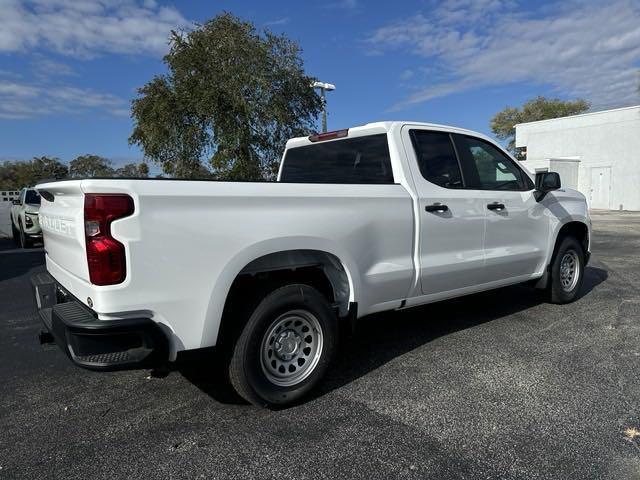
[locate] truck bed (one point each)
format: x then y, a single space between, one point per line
187 241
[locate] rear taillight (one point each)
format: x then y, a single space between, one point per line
105 255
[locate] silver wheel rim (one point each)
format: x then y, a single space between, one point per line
291 348
569 270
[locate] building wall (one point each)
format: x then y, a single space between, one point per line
600 139
9 195
6 197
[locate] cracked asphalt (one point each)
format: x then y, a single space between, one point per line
496 385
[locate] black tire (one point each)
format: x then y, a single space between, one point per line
25 242
566 292
249 373
15 234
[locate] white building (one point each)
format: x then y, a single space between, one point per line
596 153
9 195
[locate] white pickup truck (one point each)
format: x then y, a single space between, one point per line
384 216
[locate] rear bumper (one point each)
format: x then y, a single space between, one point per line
92 343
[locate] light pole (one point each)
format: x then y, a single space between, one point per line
324 87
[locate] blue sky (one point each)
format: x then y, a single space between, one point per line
69 68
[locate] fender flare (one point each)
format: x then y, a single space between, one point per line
543 281
222 284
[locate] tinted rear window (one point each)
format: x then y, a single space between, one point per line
353 160
437 158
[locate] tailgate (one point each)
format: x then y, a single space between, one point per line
62 222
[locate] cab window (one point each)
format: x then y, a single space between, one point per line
358 160
437 158
487 168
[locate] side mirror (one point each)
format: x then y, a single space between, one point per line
547 181
16 202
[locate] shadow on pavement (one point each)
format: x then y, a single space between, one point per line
7 243
382 337
15 262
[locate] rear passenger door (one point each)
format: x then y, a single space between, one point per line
516 231
451 221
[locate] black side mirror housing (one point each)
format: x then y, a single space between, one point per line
545 183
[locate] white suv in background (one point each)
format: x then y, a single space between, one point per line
24 218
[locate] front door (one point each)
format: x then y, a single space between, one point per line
450 220
600 187
517 229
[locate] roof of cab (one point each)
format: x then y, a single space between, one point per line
384 127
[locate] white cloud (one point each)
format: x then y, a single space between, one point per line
278 21
44 68
349 4
580 48
407 74
20 101
344 4
16 90
84 28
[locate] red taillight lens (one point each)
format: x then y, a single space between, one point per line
105 255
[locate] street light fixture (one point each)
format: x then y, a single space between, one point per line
324 87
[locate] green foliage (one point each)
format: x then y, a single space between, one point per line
91 166
18 174
88 166
540 108
133 170
15 175
231 99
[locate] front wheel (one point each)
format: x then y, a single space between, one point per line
25 241
15 233
285 348
567 271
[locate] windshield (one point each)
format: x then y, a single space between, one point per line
32 197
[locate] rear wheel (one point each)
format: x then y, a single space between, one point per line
285 347
567 271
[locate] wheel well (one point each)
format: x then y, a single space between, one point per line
578 230
321 270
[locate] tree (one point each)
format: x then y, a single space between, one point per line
12 176
540 108
229 102
133 170
18 174
91 166
44 168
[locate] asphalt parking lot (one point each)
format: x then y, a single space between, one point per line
497 385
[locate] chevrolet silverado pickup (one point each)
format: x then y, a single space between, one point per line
24 218
384 216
